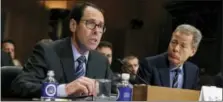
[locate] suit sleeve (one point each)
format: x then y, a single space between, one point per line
28 82
144 73
196 84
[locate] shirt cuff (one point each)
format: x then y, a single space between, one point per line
61 90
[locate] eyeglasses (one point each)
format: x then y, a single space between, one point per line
90 24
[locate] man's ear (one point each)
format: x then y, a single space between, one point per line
73 25
194 50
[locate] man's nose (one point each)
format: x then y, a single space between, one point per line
133 67
96 31
176 48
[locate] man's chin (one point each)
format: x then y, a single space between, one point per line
91 47
174 62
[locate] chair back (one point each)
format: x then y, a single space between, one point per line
8 74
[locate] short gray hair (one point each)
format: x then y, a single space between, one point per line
189 29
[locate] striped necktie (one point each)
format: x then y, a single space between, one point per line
80 71
175 78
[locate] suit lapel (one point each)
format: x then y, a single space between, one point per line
164 71
67 60
186 76
165 76
90 66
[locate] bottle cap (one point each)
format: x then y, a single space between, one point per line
50 73
125 76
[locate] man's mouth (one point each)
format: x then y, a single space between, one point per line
173 56
93 40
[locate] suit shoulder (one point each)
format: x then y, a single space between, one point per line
53 44
192 65
156 58
98 55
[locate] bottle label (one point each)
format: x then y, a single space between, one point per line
49 89
124 94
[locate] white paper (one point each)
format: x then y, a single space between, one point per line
210 93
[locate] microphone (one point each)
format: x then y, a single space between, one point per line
132 72
120 61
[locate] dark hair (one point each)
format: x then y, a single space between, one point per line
77 12
8 41
105 44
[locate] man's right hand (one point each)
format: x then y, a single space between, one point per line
81 86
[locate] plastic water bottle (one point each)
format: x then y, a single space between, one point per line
49 87
124 88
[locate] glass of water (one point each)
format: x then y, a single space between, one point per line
103 88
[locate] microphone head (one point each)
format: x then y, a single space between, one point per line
116 77
125 76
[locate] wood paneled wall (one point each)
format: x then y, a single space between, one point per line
26 23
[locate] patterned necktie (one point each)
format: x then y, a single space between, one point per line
175 79
80 68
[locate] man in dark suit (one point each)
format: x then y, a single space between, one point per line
105 48
172 69
72 59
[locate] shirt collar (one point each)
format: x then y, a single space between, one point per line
172 68
76 54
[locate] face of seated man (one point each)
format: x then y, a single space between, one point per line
107 52
9 48
133 65
181 47
88 31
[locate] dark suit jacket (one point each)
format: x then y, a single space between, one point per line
56 56
6 59
155 71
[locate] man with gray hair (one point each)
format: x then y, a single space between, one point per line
171 69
